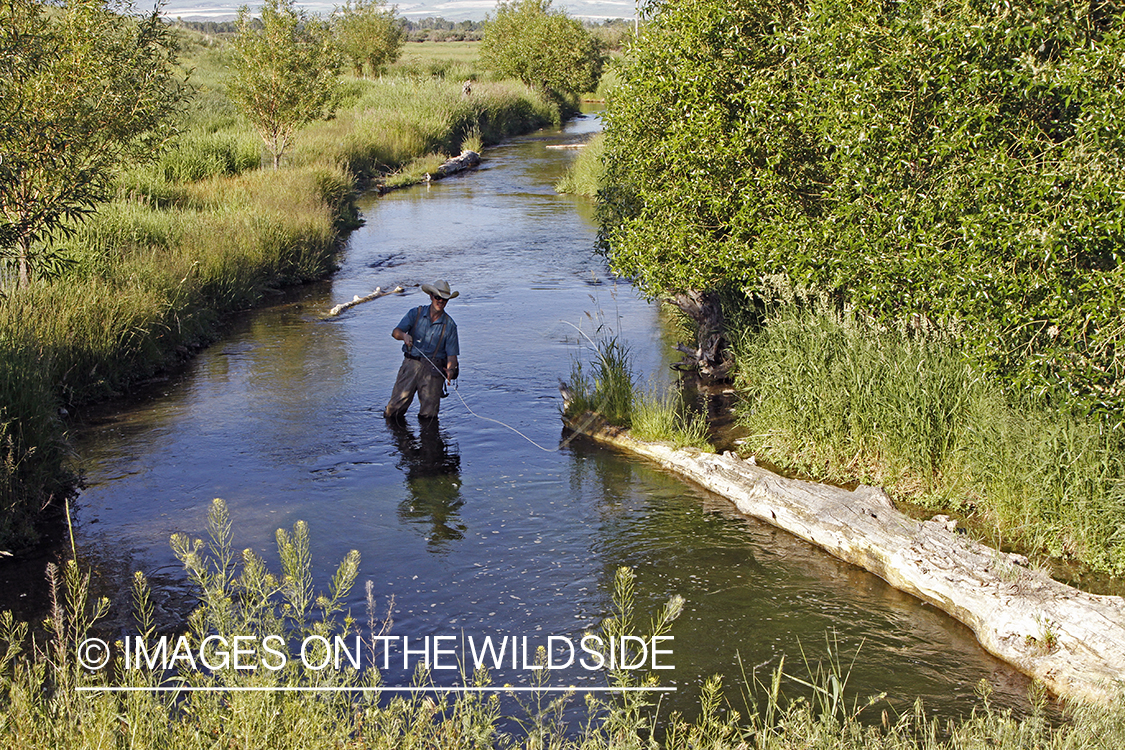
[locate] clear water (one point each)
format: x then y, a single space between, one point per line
474 530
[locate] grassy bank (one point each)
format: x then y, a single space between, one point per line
583 175
831 396
45 698
202 231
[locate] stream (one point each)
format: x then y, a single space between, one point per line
472 528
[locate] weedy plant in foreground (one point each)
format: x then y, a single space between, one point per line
48 700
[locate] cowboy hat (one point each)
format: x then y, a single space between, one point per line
439 288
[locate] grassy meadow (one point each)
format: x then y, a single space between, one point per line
205 229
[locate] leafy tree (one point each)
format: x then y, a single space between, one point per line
84 87
284 72
368 34
543 48
957 162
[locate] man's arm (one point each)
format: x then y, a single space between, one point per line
403 336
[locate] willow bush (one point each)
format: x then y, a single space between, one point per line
955 161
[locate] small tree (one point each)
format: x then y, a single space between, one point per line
284 74
541 47
368 34
83 88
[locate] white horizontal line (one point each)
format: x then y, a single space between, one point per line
337 689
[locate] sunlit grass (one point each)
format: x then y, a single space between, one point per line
605 384
583 176
838 398
660 415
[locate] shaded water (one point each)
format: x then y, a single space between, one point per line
472 529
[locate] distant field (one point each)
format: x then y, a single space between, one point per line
456 61
452 52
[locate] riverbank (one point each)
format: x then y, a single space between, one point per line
204 231
832 396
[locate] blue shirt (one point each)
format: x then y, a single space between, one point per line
427 334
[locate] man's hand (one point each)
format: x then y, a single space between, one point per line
403 336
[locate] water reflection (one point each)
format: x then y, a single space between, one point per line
433 480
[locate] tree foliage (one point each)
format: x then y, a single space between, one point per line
368 34
83 87
541 47
284 72
957 161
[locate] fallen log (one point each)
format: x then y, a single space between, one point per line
357 300
1071 641
466 160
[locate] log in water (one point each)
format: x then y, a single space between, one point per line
1072 641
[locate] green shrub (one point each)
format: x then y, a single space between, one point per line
958 162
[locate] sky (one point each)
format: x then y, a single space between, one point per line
454 10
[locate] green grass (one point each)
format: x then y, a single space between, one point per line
605 384
451 61
660 415
584 175
237 593
837 398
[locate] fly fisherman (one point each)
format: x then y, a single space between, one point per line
429 342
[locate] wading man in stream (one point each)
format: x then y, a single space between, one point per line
429 344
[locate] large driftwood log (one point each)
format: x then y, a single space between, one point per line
357 300
1073 642
466 160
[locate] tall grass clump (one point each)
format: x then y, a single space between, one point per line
199 155
584 175
660 415
836 397
605 384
